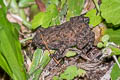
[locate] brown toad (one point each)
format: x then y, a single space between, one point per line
75 32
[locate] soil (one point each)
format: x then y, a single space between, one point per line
94 67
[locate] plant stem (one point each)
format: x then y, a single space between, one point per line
22 41
97 6
116 60
23 16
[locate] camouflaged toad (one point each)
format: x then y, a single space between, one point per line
75 32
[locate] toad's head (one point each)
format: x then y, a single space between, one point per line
37 39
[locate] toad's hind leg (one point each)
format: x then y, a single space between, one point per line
59 53
86 46
90 42
85 40
82 38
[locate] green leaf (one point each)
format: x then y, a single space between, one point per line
34 10
110 11
10 49
95 18
53 10
46 19
63 2
115 51
55 78
100 45
69 15
51 51
105 43
70 53
56 2
17 26
13 7
40 60
69 73
25 3
105 38
115 71
54 13
5 65
39 19
81 72
35 61
63 9
74 8
114 35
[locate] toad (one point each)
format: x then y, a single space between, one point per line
75 32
